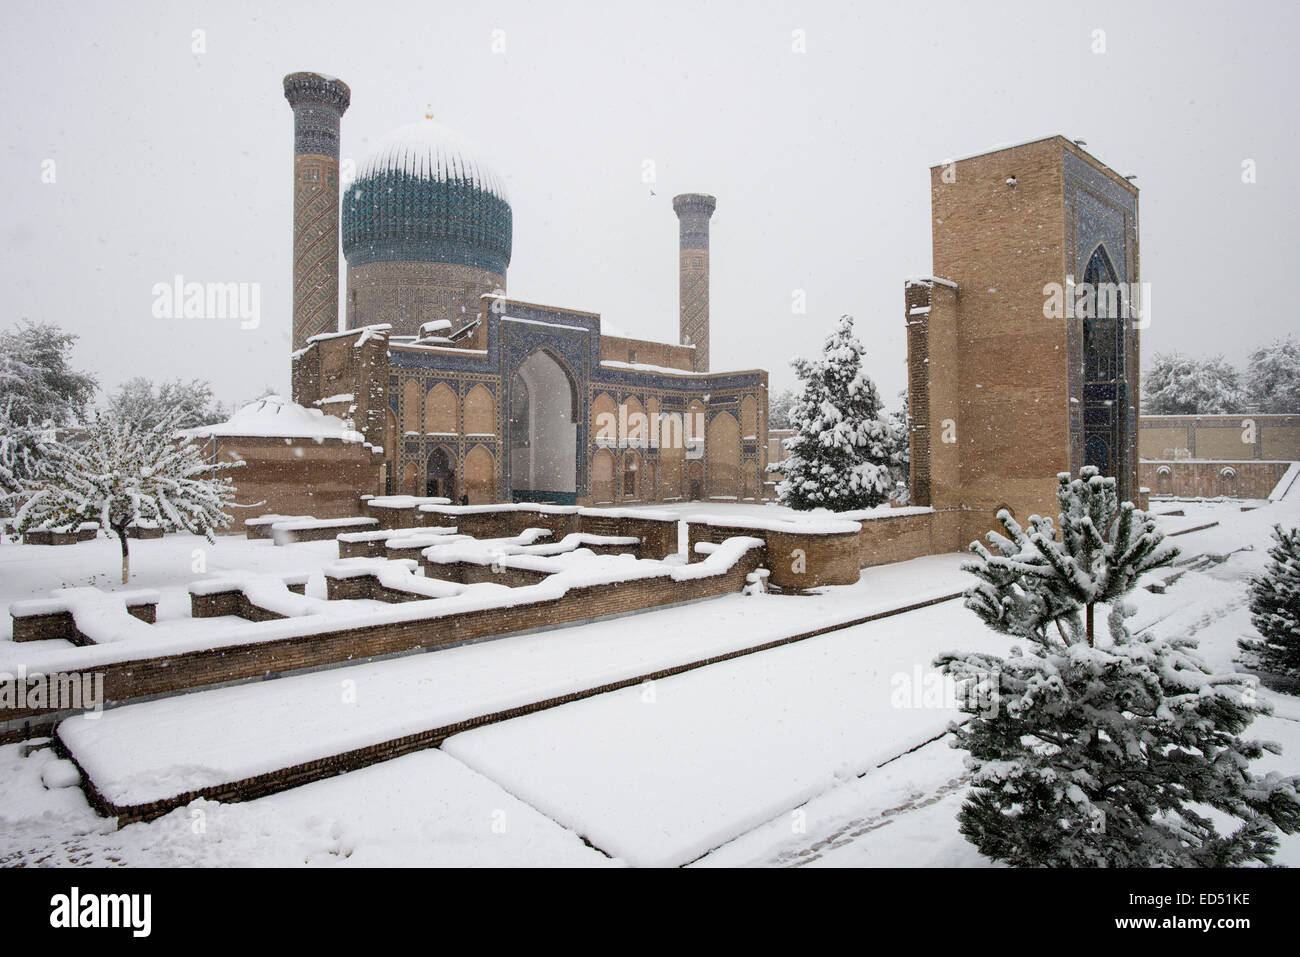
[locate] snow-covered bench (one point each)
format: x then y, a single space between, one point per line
84 616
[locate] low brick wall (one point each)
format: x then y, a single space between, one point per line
62 624
146 676
800 559
233 602
495 523
898 539
355 587
248 789
558 524
390 517
1203 479
43 536
319 533
369 548
473 573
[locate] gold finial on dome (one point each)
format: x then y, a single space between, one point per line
428 111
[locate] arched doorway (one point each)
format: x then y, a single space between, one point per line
479 476
1105 396
602 477
631 476
440 475
723 456
695 481
543 432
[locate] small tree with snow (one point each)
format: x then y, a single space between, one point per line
842 453
1275 608
1103 752
119 473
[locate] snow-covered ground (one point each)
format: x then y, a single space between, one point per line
793 756
153 750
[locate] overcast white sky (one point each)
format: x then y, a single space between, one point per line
173 162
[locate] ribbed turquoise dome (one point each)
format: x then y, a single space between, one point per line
426 195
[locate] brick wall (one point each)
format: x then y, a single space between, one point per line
1229 438
132 679
1207 479
666 355
297 476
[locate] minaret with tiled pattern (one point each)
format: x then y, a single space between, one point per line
693 213
318 105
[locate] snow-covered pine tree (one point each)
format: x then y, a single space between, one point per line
118 474
840 457
1090 752
1275 608
900 451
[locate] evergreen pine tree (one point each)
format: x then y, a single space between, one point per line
119 473
1092 752
840 457
1275 608
900 453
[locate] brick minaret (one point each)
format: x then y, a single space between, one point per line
318 105
693 212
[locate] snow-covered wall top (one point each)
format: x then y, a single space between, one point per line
276 417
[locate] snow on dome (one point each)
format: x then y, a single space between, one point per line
429 150
276 417
425 194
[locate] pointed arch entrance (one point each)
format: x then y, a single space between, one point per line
1105 392
543 431
440 475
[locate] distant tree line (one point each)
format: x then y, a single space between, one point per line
1177 384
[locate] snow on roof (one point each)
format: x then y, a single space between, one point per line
364 330
276 417
430 150
998 148
645 367
538 322
928 281
828 523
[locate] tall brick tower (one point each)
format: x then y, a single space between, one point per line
1007 391
693 213
318 105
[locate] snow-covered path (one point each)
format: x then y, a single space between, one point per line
661 779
